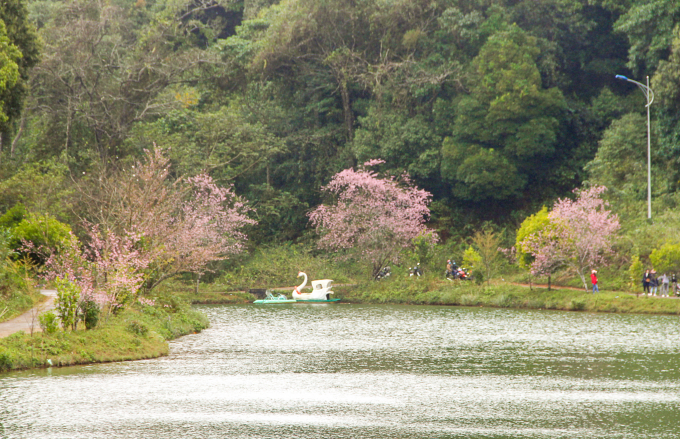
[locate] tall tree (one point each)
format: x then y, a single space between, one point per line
506 129
648 25
102 71
22 36
182 224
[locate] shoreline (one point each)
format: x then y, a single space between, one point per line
499 295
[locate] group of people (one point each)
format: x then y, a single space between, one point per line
453 271
653 285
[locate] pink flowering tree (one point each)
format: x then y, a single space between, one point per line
107 270
204 227
547 253
579 235
175 225
373 218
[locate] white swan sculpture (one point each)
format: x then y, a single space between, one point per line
321 290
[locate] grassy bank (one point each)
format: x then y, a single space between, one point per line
131 335
278 266
432 291
15 302
504 295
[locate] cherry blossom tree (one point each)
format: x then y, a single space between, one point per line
177 225
547 253
108 269
374 217
579 235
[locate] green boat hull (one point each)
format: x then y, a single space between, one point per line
317 301
273 302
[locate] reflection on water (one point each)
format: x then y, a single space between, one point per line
351 371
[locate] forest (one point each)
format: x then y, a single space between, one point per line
496 108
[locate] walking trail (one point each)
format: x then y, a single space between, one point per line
29 319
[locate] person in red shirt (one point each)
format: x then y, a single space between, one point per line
593 280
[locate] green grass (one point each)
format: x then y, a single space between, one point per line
429 291
176 291
17 301
278 266
131 335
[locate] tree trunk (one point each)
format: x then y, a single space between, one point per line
548 282
18 136
346 106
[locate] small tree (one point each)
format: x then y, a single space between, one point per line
579 235
532 225
374 217
108 270
585 230
473 261
635 274
488 243
68 295
423 247
546 253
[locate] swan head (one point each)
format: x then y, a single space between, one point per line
300 274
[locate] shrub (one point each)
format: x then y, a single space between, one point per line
68 295
578 304
635 274
13 216
666 259
45 234
137 327
48 322
90 312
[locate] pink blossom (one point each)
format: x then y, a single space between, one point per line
580 235
145 301
373 217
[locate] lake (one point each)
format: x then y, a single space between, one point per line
369 371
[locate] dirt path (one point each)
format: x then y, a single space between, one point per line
30 318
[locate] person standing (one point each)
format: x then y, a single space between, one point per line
654 283
593 280
646 282
664 285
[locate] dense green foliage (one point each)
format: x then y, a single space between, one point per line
495 107
17 284
485 104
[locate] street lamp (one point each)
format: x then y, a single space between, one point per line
649 94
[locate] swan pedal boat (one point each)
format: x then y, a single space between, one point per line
271 299
321 291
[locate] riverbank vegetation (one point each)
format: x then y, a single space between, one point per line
17 282
505 295
131 334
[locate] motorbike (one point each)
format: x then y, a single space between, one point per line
383 273
458 273
415 270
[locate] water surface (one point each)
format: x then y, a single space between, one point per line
354 371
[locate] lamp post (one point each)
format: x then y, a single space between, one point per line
649 94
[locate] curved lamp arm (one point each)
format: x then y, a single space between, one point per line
649 94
